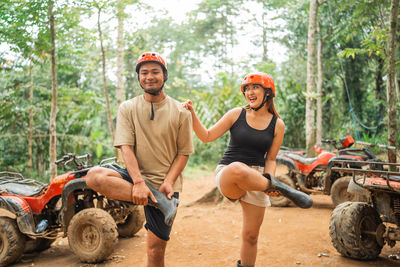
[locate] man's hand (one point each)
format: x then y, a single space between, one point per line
166 189
141 193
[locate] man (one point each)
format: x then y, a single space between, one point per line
154 133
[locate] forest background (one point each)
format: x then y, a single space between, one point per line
66 65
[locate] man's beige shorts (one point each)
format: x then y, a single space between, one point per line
256 198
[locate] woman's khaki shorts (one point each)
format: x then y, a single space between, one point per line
256 198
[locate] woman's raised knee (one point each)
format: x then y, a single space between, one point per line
237 170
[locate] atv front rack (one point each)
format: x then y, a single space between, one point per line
384 179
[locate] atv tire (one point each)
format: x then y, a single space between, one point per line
133 223
92 235
348 225
37 245
282 201
12 241
339 192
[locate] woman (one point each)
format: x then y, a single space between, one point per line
244 173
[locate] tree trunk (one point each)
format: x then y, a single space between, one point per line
30 118
379 86
120 49
103 61
53 113
319 89
311 62
213 196
390 84
264 36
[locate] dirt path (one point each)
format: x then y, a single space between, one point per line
209 235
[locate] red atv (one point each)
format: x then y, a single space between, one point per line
359 230
314 175
65 207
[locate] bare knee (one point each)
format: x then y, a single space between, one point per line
156 251
95 177
250 237
237 170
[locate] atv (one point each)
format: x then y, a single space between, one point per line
66 207
315 175
359 230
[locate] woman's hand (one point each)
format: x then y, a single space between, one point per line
188 104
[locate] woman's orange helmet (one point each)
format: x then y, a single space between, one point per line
260 78
152 57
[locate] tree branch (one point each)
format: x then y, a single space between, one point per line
322 2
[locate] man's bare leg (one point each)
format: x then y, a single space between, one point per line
155 250
109 183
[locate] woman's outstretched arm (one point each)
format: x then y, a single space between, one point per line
216 131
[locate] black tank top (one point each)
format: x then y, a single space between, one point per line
248 145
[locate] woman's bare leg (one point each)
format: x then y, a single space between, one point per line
237 177
252 219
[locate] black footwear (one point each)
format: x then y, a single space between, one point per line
239 264
167 206
299 198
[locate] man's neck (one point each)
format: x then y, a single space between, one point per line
154 98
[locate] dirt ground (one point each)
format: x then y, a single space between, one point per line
209 235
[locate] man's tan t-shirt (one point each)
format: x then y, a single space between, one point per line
156 142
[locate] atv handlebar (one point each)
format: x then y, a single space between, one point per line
79 161
329 141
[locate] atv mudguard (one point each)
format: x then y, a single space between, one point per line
329 179
287 162
68 206
22 211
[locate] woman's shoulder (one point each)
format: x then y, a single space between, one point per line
280 125
229 119
234 111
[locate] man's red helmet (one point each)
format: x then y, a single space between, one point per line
260 78
152 57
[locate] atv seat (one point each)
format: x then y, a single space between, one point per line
301 159
16 184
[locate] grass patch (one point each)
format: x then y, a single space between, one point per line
198 171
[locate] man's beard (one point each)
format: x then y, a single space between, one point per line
153 91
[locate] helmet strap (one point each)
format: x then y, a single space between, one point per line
153 93
265 100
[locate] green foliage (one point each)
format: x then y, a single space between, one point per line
201 67
210 106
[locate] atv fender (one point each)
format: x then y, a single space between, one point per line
287 162
329 178
68 201
22 211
